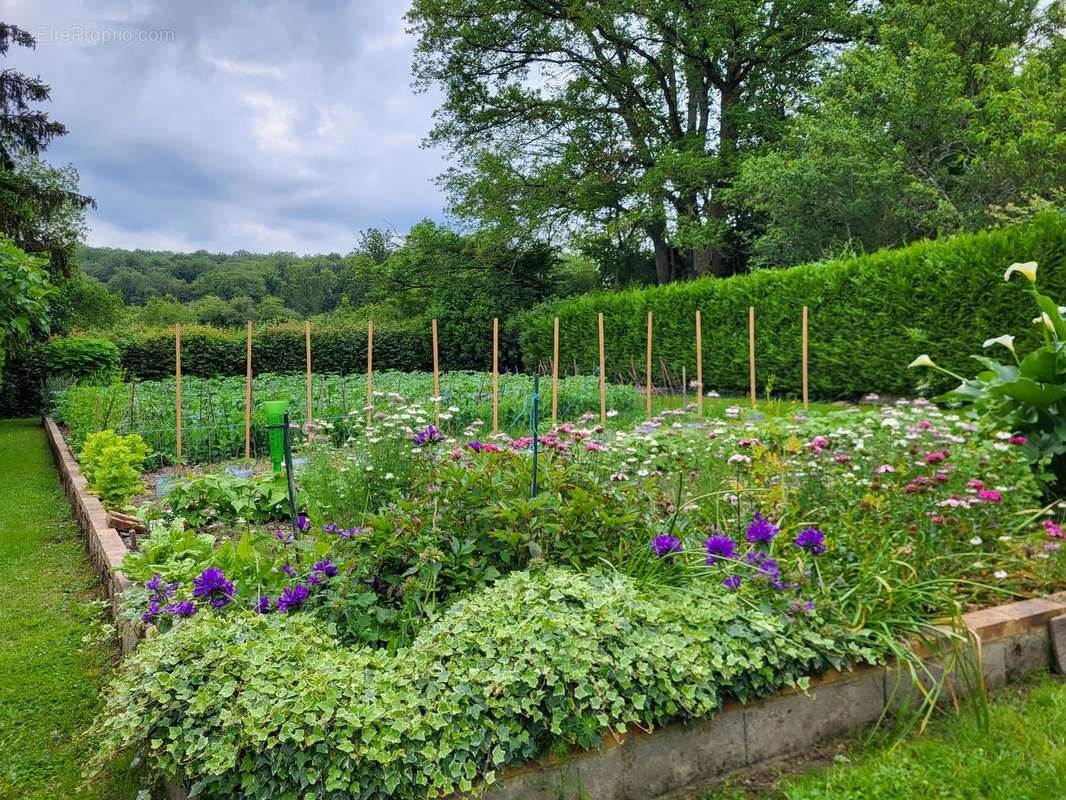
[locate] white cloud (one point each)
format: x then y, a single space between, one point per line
244 130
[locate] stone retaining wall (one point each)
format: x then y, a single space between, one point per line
1013 640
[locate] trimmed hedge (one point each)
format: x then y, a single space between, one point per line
869 316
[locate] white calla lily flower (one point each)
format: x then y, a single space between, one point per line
1006 340
921 361
1028 269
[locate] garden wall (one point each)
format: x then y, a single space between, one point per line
869 316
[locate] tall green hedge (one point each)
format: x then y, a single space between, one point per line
869 316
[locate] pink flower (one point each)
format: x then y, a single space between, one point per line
990 496
818 442
1054 529
942 477
593 447
924 424
976 483
1017 440
881 470
842 458
937 457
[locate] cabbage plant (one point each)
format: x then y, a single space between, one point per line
1025 396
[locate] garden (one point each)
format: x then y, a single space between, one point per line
436 603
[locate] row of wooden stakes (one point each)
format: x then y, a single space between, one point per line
648 383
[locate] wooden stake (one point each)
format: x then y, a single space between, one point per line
751 350
699 364
603 375
177 392
495 375
684 387
436 377
805 398
555 374
647 372
307 349
248 396
369 371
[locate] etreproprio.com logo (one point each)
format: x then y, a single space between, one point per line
82 34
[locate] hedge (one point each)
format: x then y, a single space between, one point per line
869 316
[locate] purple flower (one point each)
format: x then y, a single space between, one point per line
761 530
263 604
812 540
303 522
768 568
159 590
326 568
153 611
732 582
428 436
186 608
665 544
283 536
475 446
293 598
289 570
719 547
213 586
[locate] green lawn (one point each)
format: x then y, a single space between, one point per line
50 682
1020 756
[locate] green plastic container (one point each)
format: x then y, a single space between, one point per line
275 417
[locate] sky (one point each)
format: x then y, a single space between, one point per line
230 124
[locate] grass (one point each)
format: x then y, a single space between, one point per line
1021 755
50 682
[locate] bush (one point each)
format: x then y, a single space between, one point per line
868 315
112 465
270 706
77 357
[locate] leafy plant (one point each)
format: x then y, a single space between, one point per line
1026 398
112 465
80 357
537 662
216 496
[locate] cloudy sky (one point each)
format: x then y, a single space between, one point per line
235 125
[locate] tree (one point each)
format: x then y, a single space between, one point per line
24 295
40 207
625 115
948 112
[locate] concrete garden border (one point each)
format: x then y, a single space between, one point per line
1013 640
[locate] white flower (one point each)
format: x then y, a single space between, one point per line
1027 268
921 361
612 413
999 574
976 541
1006 340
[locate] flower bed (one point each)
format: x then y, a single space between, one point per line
432 622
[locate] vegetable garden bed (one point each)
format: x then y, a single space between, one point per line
432 625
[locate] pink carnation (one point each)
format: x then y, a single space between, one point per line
1017 440
936 458
990 496
1054 529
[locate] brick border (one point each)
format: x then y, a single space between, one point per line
1013 640
105 545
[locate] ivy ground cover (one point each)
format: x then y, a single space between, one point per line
433 620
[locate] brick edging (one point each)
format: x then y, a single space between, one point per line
106 547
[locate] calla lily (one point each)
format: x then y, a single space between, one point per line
921 361
1028 269
1047 322
1006 340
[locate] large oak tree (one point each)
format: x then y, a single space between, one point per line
627 117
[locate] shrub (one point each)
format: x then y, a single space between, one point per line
112 465
867 315
79 357
270 706
213 497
